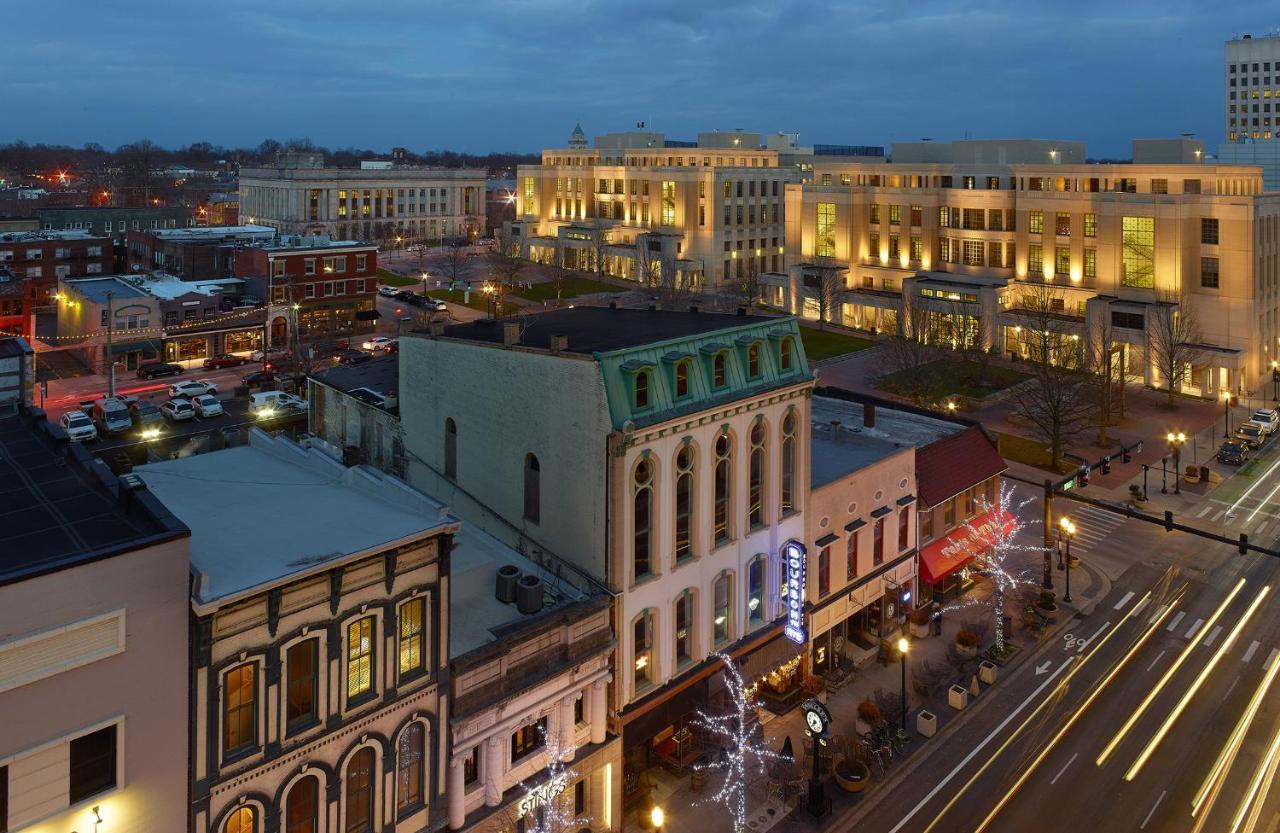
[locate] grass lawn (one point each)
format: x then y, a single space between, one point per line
479 301
947 377
1029 452
390 278
571 287
825 344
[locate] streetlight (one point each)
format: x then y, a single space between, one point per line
1068 531
656 818
903 645
951 407
1226 414
1275 380
1175 442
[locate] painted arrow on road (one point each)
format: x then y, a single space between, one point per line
1043 668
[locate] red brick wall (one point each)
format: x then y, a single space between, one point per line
15 256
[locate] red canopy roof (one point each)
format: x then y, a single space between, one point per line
947 467
960 545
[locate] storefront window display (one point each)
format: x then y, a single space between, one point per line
243 341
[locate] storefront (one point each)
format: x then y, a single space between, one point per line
135 353
191 347
852 629
946 565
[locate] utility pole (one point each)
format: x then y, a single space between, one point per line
111 359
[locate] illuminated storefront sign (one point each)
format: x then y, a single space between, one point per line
541 796
793 555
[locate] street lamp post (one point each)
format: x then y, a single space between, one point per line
1144 481
1069 531
1164 477
1226 414
1175 442
1275 380
903 645
656 818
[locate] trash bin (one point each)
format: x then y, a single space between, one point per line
231 436
1204 474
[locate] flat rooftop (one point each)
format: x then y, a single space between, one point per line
381 375
60 508
96 289
603 329
855 445
49 235
211 232
238 503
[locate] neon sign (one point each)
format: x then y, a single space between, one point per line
793 556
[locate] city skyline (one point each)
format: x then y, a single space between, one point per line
1038 74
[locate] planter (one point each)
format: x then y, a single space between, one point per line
967 650
987 672
958 697
920 631
852 776
1050 612
861 726
926 723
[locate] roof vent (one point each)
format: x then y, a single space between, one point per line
505 587
529 594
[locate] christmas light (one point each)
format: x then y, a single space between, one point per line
549 806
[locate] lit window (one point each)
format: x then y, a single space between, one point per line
411 636
239 714
360 658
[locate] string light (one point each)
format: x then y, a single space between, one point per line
546 808
186 325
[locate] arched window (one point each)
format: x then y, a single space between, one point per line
240 708
241 820
755 484
642 537
784 354
788 462
359 792
755 591
301 808
532 489
684 620
450 449
722 609
409 768
753 361
642 649
718 377
682 379
723 483
684 503
642 389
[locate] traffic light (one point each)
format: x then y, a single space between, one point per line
1083 478
1106 464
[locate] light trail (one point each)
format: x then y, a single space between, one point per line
1079 712
1255 485
1168 675
1262 503
1195 687
1043 705
1266 767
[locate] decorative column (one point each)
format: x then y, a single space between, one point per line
493 772
457 794
568 729
596 791
599 712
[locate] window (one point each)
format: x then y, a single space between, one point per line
360 658
682 379
724 448
851 557
875 214
1091 263
877 542
1137 258
926 526
824 571
895 215
668 202
239 708
450 449
409 769
1062 224
301 807
1035 259
241 820
755 484
360 262
93 764
755 591
300 684
825 241
722 613
1159 186
359 792
1209 272
1061 260
684 503
642 649
412 643
784 354
471 767
917 213
1209 231
683 632
718 371
309 266
904 528
1128 320
788 462
532 489
1036 225
528 739
642 558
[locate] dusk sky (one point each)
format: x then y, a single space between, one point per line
494 76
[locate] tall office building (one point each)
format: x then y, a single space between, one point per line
1251 79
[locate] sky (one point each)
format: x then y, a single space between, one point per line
482 76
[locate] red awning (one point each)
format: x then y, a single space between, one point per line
951 552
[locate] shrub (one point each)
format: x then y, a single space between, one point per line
814 685
868 712
1193 471
967 639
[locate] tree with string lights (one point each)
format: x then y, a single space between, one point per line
548 806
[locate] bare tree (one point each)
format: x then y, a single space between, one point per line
1108 376
420 250
746 288
659 271
505 264
455 266
968 334
907 351
824 282
1174 334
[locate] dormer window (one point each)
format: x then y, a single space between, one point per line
682 379
753 361
784 354
642 389
718 370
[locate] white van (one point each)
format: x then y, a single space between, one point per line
111 415
269 403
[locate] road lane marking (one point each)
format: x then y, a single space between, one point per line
1231 687
1213 635
1105 625
1192 633
1124 600
1159 612
1248 655
1152 812
1173 623
1064 769
1139 606
1206 510
1157 659
1216 516
1271 657
1262 527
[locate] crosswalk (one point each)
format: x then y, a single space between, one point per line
1093 526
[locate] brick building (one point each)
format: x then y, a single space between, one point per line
39 259
192 253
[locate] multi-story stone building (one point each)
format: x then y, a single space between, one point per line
966 233
663 452
1251 87
376 202
639 205
319 659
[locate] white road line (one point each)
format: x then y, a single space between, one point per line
1262 527
1064 769
1233 685
1163 793
1191 633
1139 606
1213 635
1089 641
1176 619
1124 600
973 752
1206 510
1248 655
1159 612
1271 657
1154 661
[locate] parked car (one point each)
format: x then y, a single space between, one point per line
437 305
225 360
1233 452
111 416
415 300
274 354
79 427
1268 418
1252 434
148 419
378 343
178 410
271 403
258 378
387 291
403 295
351 358
197 387
157 369
207 406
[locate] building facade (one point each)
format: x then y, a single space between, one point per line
963 250
377 205
1251 88
40 259
116 223
193 253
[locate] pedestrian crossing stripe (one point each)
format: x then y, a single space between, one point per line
1208 507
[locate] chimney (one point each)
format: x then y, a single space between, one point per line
559 343
742 311
869 415
510 333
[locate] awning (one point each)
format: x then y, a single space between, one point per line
827 540
948 554
148 346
